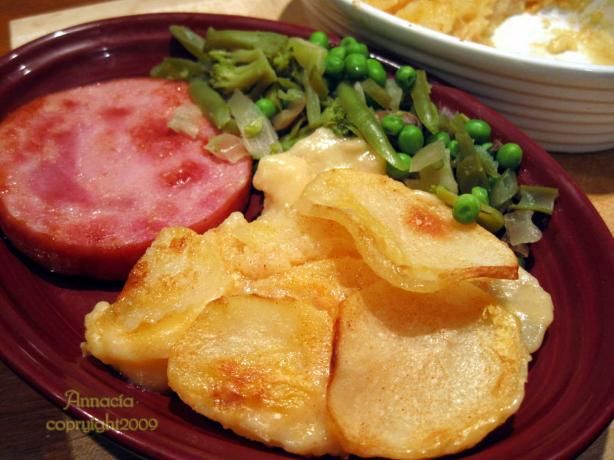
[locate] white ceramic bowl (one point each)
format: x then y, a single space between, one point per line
566 107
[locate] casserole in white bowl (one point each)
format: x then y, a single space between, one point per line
564 106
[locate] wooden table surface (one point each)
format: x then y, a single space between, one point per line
23 411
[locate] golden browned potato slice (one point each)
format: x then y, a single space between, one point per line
528 301
323 283
182 271
260 368
178 275
407 237
283 239
422 375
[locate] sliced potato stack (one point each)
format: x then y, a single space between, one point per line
165 292
183 271
362 276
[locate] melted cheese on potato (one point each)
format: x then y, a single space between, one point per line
528 301
283 177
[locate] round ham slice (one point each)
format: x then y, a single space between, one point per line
89 176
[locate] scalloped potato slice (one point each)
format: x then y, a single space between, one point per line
420 375
322 283
527 301
280 240
407 237
168 287
260 367
183 271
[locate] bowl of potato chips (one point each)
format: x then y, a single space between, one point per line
562 98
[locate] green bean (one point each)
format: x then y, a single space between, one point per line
210 102
177 69
425 108
376 92
190 40
367 125
313 107
312 58
270 43
504 188
488 162
537 198
470 173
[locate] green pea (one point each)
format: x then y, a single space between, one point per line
266 106
509 156
398 173
338 51
453 148
376 72
480 193
405 76
466 208
334 66
347 41
392 124
479 130
357 48
355 66
440 136
410 139
319 38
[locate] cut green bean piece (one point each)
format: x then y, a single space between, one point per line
178 69
190 40
367 125
376 92
425 108
470 173
210 102
270 43
457 124
313 107
488 162
504 188
312 58
537 198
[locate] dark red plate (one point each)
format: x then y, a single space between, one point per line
570 392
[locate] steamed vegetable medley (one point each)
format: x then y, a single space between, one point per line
265 91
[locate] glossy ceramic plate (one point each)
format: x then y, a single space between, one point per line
570 392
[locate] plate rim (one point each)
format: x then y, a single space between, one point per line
28 373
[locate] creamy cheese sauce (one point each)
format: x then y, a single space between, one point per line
531 305
283 177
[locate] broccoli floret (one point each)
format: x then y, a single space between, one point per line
281 60
335 118
240 69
